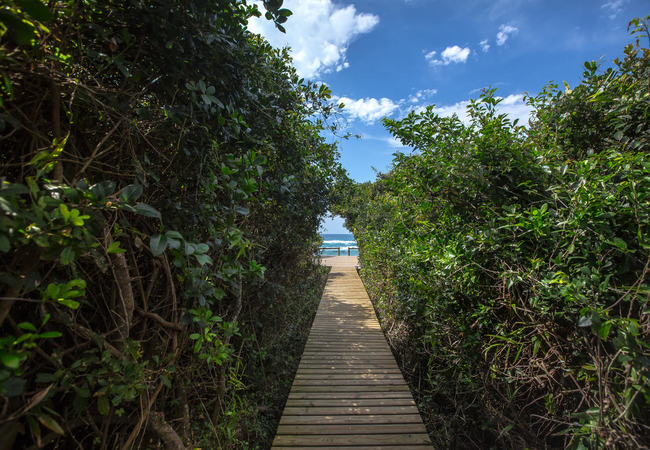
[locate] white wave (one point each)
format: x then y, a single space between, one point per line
341 242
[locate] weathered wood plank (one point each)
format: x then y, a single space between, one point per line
332 388
381 439
395 428
351 402
347 411
363 447
349 369
361 382
351 395
350 376
352 419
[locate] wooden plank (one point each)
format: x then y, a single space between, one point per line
342 364
348 382
353 419
332 388
395 428
349 353
352 369
351 402
352 395
347 411
362 447
350 376
380 439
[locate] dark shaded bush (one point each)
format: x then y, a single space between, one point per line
163 180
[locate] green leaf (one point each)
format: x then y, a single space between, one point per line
115 248
212 99
27 326
5 245
72 304
36 9
50 334
67 256
201 248
13 189
166 381
174 234
604 331
241 210
82 392
103 405
147 210
79 403
260 160
20 31
50 423
11 361
131 193
45 378
76 219
158 244
195 336
203 259
14 386
173 243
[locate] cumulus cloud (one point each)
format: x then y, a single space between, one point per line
369 109
421 95
505 31
484 45
449 55
319 33
614 7
512 105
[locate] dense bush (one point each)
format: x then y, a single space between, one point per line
163 179
509 264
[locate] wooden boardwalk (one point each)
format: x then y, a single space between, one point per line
348 392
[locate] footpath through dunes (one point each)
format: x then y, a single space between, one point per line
348 392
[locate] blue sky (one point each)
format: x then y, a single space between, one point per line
388 57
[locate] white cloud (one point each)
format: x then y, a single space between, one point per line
614 7
505 31
484 45
319 33
422 94
369 109
390 140
449 55
512 105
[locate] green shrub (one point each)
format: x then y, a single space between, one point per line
511 264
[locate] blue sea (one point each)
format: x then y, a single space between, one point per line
339 240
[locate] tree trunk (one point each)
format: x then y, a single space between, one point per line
171 439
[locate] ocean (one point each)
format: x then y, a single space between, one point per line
339 240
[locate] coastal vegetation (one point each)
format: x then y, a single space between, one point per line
163 176
509 263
